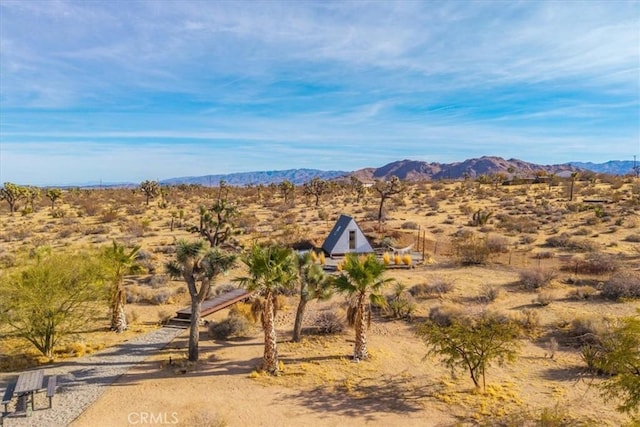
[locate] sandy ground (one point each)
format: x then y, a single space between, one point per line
320 386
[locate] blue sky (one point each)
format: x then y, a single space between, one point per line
133 90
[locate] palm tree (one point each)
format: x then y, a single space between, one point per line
120 262
361 278
272 270
195 265
314 284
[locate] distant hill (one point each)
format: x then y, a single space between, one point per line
612 167
412 170
296 176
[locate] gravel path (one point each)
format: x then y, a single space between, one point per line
83 380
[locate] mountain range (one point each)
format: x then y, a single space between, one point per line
409 170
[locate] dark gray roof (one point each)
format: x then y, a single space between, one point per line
336 232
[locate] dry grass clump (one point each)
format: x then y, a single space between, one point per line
586 330
565 241
593 263
633 238
470 249
233 326
536 278
582 293
622 285
445 314
435 288
329 323
528 320
513 224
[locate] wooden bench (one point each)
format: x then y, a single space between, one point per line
51 389
8 395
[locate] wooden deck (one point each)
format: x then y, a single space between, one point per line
215 304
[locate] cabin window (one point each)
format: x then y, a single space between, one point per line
352 239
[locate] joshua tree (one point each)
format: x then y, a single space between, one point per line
358 187
53 194
387 189
119 263
314 284
288 191
316 188
151 189
272 270
198 268
217 223
361 279
12 193
574 176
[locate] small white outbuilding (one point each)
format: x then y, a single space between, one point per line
346 237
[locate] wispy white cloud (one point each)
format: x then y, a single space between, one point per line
332 83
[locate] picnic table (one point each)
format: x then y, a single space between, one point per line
24 389
28 383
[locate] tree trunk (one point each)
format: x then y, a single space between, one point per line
270 363
360 350
118 315
194 331
380 208
297 326
571 191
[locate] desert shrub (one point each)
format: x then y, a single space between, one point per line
593 263
544 255
471 250
400 304
329 322
232 326
622 285
586 330
528 320
96 229
583 293
164 316
242 309
488 293
515 224
133 316
581 232
565 241
437 287
544 298
497 244
7 260
536 278
633 238
109 214
136 294
444 315
410 225
64 233
527 240
161 297
58 213
222 289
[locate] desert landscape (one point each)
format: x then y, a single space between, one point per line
556 256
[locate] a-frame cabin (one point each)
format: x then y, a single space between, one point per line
346 237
